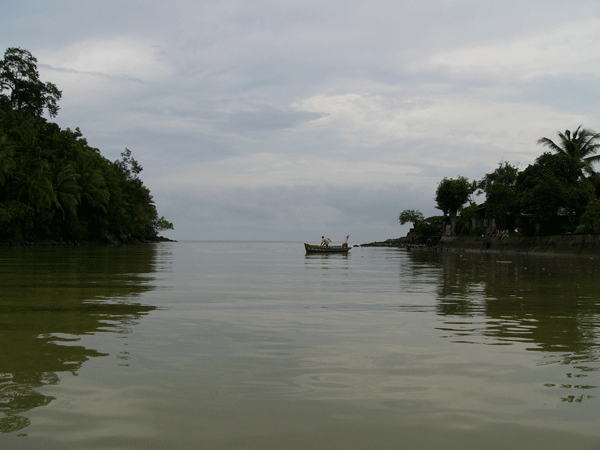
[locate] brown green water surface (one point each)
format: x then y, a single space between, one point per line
213 345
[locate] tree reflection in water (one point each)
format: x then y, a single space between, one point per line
551 303
49 297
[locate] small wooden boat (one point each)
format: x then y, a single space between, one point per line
331 249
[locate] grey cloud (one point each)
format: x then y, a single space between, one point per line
94 74
236 71
265 118
570 93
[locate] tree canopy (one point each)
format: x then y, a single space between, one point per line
53 185
20 78
451 195
410 215
558 193
582 145
499 189
551 191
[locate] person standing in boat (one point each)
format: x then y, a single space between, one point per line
325 241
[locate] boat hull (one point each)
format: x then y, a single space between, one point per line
331 249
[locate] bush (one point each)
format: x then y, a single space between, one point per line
432 226
16 219
590 220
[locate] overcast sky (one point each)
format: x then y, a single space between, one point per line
290 119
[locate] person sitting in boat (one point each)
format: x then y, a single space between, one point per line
325 241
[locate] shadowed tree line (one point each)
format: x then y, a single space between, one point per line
559 193
53 185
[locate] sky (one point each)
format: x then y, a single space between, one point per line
289 120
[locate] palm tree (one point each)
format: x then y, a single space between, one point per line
94 191
582 144
35 186
67 191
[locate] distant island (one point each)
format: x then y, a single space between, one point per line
54 187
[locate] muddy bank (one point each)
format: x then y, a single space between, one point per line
568 244
403 242
123 240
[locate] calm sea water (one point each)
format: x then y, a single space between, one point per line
222 345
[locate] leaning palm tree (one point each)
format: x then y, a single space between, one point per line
582 144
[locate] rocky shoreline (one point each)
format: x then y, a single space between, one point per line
565 244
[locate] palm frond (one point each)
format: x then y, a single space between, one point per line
549 143
580 144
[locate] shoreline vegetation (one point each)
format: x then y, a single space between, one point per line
55 189
552 206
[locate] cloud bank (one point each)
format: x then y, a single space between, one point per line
290 120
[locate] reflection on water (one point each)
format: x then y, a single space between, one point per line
257 346
49 297
552 304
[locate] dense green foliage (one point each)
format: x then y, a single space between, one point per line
581 145
53 185
558 193
429 227
550 193
410 215
590 220
499 188
20 78
451 195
